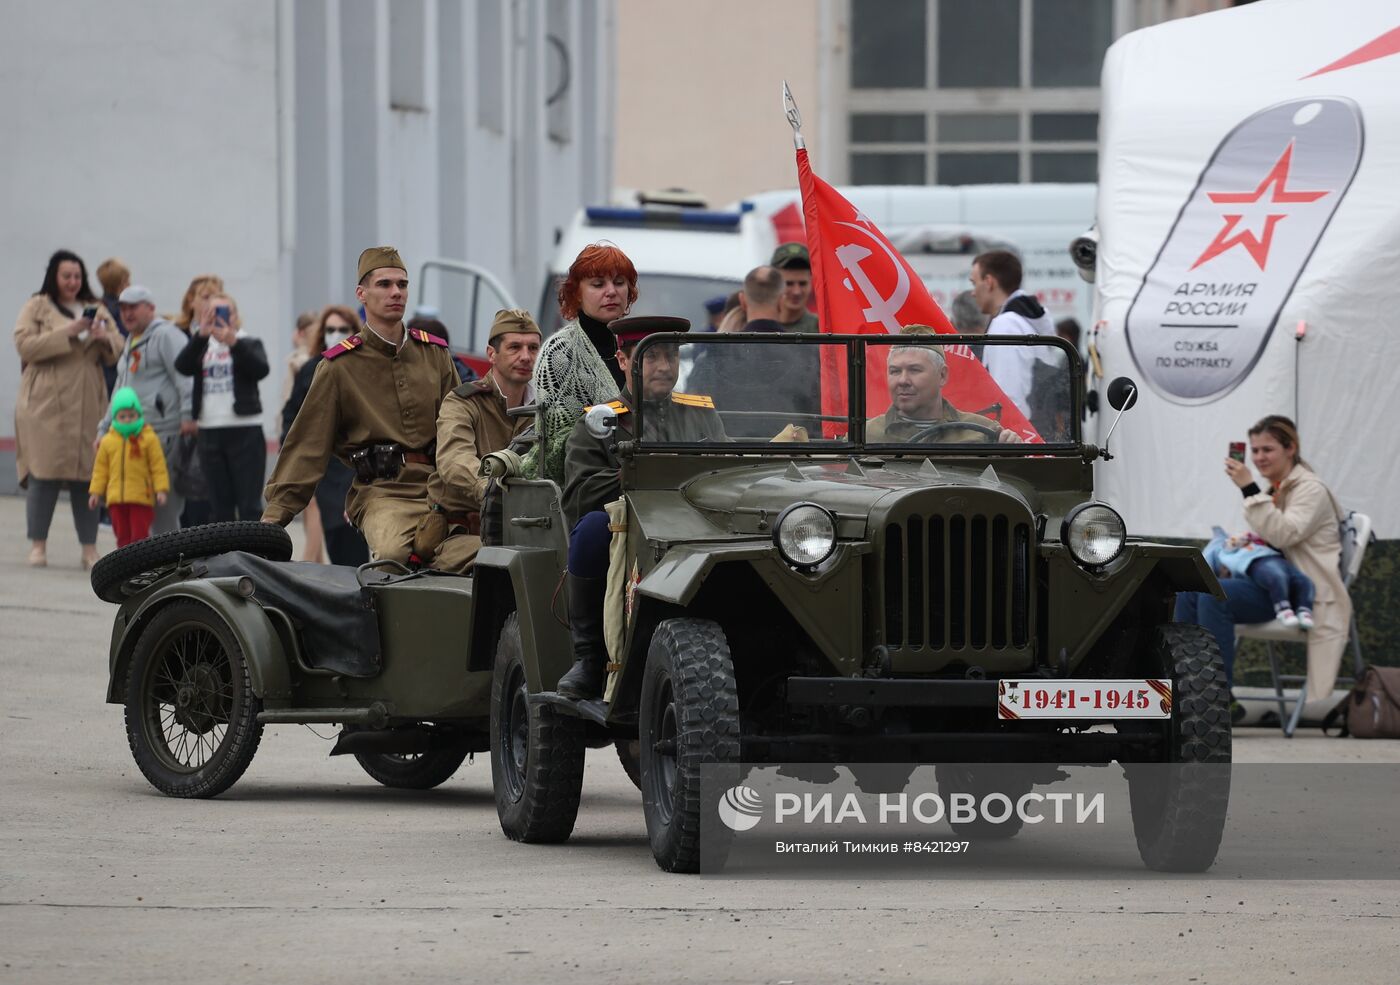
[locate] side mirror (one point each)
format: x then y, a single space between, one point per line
600 420
1122 393
1084 251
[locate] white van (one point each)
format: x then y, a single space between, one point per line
684 255
1037 221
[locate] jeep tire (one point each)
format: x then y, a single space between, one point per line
1179 809
629 754
689 718
957 778
536 752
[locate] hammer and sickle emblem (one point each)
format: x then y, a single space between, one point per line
881 309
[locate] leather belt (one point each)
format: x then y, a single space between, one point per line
418 458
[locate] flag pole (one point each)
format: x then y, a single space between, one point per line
794 117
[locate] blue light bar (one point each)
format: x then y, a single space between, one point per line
610 216
726 220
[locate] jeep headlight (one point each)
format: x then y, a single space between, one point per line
805 535
1094 534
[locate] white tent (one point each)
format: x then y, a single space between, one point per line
1249 188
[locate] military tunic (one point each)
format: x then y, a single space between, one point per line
365 391
472 423
891 427
592 472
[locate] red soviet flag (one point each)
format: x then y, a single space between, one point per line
862 285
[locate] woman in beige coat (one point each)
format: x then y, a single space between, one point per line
64 336
1299 516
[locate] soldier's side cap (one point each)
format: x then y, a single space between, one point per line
792 255
376 257
638 327
512 320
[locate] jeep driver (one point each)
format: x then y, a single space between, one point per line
918 411
591 480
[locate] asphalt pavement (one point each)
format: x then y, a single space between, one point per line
308 871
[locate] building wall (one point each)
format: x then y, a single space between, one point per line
156 146
270 141
698 90
428 127
699 93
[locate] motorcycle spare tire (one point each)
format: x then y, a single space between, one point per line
111 573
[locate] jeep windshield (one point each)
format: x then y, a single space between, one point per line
835 394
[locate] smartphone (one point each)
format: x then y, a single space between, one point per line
1237 450
221 313
90 312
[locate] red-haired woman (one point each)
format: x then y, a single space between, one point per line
576 367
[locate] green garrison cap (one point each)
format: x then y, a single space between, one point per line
512 320
376 257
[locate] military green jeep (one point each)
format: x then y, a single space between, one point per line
919 577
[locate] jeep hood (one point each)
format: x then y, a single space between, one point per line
851 489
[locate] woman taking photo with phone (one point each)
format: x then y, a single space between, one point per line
1298 515
226 365
65 338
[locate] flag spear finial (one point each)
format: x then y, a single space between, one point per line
794 117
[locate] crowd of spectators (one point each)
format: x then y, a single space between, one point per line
92 366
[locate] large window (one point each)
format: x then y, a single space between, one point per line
975 91
887 44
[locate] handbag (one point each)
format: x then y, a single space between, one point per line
1372 709
186 474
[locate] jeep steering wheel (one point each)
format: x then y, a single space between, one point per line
927 434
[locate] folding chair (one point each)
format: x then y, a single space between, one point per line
1356 534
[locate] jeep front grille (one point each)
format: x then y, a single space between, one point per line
956 582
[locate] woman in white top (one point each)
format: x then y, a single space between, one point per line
226 365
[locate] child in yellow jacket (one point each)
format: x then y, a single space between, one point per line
130 471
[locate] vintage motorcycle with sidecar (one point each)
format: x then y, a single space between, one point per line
218 634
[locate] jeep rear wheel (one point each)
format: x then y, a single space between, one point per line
536 752
959 779
629 754
689 719
1179 809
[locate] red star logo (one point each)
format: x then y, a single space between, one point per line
1256 246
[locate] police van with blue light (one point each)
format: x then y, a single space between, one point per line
685 253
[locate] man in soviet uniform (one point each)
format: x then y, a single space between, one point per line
472 423
373 404
592 479
916 375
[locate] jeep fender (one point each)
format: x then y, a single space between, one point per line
826 604
250 625
531 578
679 575
1143 573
